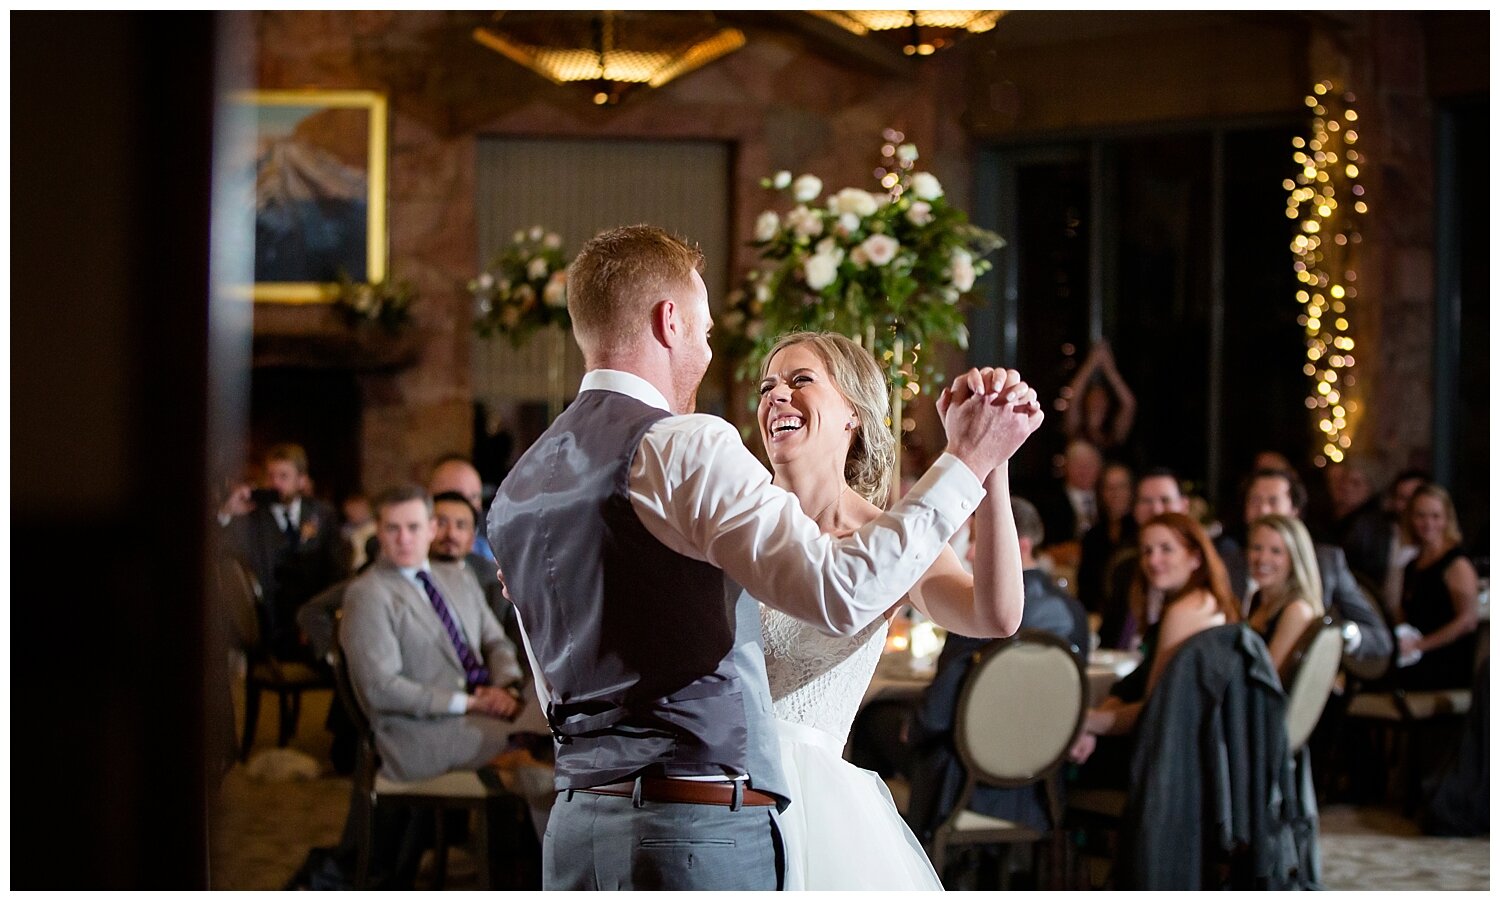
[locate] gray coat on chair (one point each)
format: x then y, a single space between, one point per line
406 671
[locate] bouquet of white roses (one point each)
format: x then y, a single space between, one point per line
882 268
524 288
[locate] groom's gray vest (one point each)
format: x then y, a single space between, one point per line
654 660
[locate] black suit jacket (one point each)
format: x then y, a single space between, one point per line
937 775
1365 536
1059 520
289 573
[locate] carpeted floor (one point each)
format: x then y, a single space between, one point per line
266 827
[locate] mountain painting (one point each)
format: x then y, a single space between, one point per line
312 189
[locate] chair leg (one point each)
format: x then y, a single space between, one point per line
289 709
482 846
366 831
252 718
440 845
1004 865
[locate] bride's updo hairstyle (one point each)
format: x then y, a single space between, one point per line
872 455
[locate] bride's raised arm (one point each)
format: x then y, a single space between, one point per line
988 603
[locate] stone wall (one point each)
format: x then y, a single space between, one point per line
785 102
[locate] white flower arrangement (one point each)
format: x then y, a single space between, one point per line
524 288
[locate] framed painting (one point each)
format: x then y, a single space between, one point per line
319 162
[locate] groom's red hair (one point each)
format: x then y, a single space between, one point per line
618 276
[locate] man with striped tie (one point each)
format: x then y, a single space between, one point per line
430 664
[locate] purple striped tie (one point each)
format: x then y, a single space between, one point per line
475 673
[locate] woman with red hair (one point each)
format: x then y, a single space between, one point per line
1183 589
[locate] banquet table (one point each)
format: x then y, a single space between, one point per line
896 678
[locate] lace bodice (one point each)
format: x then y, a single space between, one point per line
816 679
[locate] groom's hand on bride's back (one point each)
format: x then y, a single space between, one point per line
988 414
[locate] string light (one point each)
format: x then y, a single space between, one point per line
1319 198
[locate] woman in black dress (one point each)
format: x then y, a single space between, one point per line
1439 596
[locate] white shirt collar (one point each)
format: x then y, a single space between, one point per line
410 572
626 383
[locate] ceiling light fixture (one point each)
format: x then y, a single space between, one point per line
609 52
921 32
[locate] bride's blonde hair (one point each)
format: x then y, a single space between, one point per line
859 380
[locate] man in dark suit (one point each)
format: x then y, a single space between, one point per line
1367 638
937 776
1070 507
290 541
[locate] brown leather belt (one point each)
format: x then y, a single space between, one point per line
683 791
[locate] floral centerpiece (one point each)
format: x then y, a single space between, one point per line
524 288
386 303
889 269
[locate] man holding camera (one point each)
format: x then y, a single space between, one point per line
288 539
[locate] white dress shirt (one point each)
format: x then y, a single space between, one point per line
700 492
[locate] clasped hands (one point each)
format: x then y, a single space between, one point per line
492 700
988 414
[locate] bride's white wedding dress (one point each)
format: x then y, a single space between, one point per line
842 830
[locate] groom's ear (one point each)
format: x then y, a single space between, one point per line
666 324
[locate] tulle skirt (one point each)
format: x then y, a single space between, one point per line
842 831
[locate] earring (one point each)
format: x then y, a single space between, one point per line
851 425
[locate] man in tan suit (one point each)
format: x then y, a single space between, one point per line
430 664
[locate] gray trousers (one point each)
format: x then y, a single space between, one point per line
602 842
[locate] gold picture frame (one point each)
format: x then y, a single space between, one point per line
319 180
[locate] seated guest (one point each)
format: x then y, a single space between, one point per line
1177 560
1158 492
432 669
1402 550
1115 529
454 473
1366 635
937 775
1290 596
1070 507
288 539
1439 597
429 662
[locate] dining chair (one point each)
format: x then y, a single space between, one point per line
1399 718
1307 675
467 790
242 601
1019 709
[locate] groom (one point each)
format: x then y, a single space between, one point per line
624 535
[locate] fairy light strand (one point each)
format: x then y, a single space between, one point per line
1328 202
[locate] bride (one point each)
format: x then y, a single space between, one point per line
822 417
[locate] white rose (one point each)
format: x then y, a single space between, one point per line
556 292
536 233
860 203
848 223
552 241
806 188
804 222
762 292
766 226
858 258
880 249
830 248
963 270
820 271
537 268
925 185
781 179
906 153
920 213
485 281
